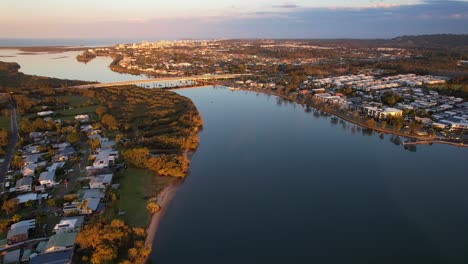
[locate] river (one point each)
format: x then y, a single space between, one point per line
274 183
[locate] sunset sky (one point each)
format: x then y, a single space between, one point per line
154 19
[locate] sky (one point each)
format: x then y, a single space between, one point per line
202 19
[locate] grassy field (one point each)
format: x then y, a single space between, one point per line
5 122
132 197
69 114
76 100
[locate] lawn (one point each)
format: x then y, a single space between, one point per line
5 122
132 197
69 114
77 100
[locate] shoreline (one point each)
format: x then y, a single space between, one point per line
164 198
425 140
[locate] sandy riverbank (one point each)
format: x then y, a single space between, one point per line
164 198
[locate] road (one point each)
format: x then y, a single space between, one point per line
11 144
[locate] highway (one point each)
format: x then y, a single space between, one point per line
11 144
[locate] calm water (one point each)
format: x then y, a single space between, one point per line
272 183
64 65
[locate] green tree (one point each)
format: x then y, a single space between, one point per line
390 98
73 138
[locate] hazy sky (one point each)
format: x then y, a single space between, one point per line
154 19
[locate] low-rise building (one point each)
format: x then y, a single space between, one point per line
24 184
18 234
60 242
382 113
69 224
101 181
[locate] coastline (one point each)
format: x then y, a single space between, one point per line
164 198
422 140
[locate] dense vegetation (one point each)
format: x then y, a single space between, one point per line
154 118
112 242
10 77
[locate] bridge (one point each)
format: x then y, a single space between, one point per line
164 79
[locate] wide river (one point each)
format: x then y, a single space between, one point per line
274 183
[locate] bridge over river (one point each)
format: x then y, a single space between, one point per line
194 78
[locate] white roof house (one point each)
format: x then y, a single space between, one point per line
47 178
101 181
29 223
27 197
69 224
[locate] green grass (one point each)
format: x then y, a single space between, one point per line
77 100
132 197
69 114
5 122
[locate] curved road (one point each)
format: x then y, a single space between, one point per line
11 144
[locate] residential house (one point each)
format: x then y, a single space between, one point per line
24 184
12 257
58 257
82 118
101 181
61 241
69 224
18 234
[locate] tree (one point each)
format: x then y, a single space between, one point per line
105 240
152 206
169 165
110 122
16 162
73 137
10 206
370 122
137 157
390 98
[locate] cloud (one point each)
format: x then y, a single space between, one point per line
286 6
427 17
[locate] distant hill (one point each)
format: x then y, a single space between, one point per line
11 77
431 41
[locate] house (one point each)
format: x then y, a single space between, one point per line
31 158
45 113
91 193
36 136
12 257
82 118
382 113
29 170
24 184
47 178
69 224
104 162
28 223
24 198
61 242
59 257
101 181
18 234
